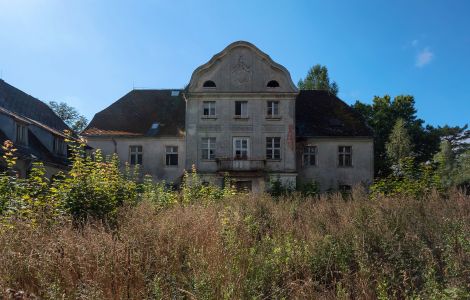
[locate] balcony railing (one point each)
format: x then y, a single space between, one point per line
232 164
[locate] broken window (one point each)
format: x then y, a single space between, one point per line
241 109
171 155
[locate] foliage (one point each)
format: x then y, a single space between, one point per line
399 145
278 189
317 79
69 115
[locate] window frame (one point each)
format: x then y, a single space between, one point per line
168 156
59 147
137 154
242 149
273 109
309 154
211 146
272 146
211 108
342 156
21 134
241 115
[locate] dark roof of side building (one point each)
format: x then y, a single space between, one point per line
141 113
18 102
320 113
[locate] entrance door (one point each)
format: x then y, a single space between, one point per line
241 148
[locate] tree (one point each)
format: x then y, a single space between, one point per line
317 79
382 115
445 160
69 115
399 145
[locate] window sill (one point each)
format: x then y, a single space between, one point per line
273 160
273 118
345 167
209 117
208 160
171 167
240 118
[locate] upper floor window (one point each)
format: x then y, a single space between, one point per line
209 84
273 84
273 109
208 148
241 109
171 155
135 155
59 146
345 156
273 148
208 108
21 134
310 156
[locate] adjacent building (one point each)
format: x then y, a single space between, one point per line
35 130
240 117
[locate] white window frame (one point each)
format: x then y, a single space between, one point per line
243 109
343 152
171 150
136 152
241 145
21 134
211 110
273 148
307 156
272 109
208 145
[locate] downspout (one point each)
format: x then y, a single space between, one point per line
115 145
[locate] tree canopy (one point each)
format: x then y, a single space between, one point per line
69 115
318 79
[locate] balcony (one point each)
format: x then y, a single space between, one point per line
231 164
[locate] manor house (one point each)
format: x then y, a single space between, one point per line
241 117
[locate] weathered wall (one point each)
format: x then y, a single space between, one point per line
154 154
327 173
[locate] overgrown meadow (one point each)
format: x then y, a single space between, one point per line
99 233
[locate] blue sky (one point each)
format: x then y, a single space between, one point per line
90 53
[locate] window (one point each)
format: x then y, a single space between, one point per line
273 148
21 134
208 108
241 109
310 156
175 93
208 148
345 188
135 155
59 146
273 84
273 109
171 155
240 148
209 84
345 156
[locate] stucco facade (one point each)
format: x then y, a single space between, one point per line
239 119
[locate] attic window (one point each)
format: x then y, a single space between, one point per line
175 93
209 84
154 126
273 84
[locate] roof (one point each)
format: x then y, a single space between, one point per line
320 113
16 102
141 113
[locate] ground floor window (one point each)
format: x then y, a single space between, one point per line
345 156
171 155
208 148
135 155
310 156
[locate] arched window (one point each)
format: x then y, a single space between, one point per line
209 84
273 84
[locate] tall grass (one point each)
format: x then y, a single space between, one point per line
247 246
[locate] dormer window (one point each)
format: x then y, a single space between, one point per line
21 134
273 84
59 146
209 84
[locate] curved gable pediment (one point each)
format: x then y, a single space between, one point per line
241 67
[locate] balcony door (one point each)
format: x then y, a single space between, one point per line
241 148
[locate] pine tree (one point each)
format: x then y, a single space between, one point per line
399 144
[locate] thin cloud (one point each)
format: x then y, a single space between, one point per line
414 43
424 57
